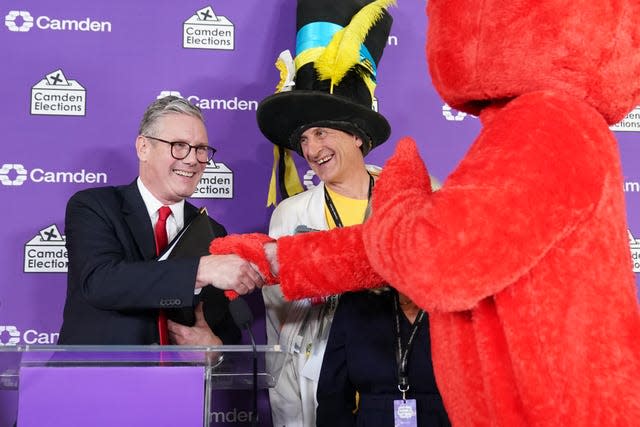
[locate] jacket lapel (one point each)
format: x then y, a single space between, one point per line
190 212
135 215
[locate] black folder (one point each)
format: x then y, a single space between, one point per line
193 241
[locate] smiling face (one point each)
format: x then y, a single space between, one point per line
333 155
168 179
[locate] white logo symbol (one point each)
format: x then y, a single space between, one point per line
14 335
216 182
51 234
56 78
449 116
166 93
10 20
307 180
46 252
55 95
405 411
206 30
207 14
20 171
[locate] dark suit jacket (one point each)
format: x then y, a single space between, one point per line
115 286
360 356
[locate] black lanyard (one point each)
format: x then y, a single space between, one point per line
332 208
403 356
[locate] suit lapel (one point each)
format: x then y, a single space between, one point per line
135 215
190 212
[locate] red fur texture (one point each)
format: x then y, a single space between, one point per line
248 246
522 257
499 49
522 261
324 263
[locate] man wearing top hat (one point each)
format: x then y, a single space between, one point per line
327 118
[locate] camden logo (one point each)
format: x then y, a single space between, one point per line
55 95
216 182
19 174
231 104
9 335
634 244
165 93
18 21
46 252
22 21
206 30
15 174
309 181
630 123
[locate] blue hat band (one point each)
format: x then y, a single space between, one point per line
319 34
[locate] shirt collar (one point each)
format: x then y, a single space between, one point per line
152 204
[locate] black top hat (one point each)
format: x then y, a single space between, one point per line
338 47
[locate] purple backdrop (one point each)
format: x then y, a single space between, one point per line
78 75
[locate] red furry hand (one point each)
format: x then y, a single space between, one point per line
325 263
247 246
401 190
403 171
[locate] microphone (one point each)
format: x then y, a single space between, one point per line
241 313
304 229
243 318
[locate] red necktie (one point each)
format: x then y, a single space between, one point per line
162 240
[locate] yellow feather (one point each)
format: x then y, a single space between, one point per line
282 68
343 51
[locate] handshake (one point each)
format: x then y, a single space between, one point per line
305 265
330 262
257 249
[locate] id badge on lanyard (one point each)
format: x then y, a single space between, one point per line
405 412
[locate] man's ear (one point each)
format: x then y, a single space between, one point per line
358 141
142 148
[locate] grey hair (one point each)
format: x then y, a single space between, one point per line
165 106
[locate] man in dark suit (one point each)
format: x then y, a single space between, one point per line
116 286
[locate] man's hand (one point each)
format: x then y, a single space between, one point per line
271 252
228 272
198 334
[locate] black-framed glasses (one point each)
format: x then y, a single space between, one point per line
181 149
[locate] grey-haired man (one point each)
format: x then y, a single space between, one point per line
116 286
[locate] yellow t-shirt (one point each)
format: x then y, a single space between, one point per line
351 211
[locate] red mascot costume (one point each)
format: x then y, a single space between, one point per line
522 258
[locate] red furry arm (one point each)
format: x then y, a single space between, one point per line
324 263
512 198
311 264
